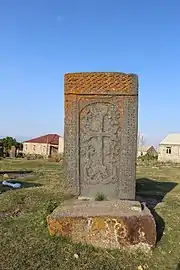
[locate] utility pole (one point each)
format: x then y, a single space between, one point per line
140 140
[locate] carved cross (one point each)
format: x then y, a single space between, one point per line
100 134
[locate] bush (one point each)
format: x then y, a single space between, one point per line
148 157
57 158
33 157
147 160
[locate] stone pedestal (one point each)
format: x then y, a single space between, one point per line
106 224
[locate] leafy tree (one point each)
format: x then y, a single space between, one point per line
19 145
8 142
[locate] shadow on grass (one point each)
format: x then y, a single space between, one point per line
151 193
16 172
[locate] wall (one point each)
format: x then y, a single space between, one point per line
151 151
141 153
61 145
36 149
173 157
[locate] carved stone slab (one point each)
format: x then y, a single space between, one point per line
101 133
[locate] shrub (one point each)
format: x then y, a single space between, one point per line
56 158
148 157
33 156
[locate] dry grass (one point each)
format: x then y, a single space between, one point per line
25 243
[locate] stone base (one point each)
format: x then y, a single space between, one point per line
106 224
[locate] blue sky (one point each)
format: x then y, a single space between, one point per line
40 40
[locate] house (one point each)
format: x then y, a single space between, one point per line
143 150
46 145
61 145
169 148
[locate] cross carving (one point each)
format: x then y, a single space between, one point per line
100 134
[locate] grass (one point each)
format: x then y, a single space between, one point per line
24 240
100 197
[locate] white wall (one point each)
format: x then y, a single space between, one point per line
61 145
151 151
165 157
141 153
36 148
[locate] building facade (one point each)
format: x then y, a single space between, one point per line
61 145
144 150
47 145
169 148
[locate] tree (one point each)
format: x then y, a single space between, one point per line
8 142
19 145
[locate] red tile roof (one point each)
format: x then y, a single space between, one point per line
49 138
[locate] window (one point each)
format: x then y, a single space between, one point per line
34 147
26 146
168 150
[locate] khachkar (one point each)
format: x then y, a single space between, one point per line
100 133
100 156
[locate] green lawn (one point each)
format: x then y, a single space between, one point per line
24 239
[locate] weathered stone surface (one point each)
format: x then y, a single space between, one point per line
101 133
12 152
106 224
